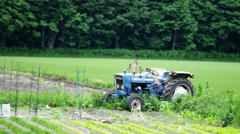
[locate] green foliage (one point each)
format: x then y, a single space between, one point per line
12 127
58 76
67 127
89 126
33 128
3 132
47 124
92 101
154 103
132 127
56 100
169 128
115 104
149 130
130 24
219 130
118 117
211 106
121 53
110 127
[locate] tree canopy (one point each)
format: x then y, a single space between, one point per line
210 25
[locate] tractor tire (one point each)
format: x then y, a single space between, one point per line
176 87
106 97
134 102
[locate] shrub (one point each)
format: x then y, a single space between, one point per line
121 53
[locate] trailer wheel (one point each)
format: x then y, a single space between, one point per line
176 88
107 96
134 102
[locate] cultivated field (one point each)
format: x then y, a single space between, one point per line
64 118
219 75
106 122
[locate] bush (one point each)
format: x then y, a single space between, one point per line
121 53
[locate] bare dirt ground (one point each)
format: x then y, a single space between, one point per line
27 82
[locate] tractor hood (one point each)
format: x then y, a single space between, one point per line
145 77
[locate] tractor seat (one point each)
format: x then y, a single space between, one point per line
164 77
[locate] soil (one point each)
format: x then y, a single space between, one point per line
9 81
102 115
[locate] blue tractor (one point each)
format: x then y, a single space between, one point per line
165 84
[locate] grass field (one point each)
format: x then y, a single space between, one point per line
220 75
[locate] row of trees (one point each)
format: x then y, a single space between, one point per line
132 24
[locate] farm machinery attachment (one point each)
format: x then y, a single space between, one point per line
168 85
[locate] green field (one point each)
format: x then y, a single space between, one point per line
220 75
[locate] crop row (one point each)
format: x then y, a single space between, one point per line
45 126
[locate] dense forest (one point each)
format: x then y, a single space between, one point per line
209 25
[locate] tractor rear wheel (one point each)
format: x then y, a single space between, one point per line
134 102
176 88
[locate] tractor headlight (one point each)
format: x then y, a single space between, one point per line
117 86
139 88
122 87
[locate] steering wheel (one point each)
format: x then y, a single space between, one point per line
153 72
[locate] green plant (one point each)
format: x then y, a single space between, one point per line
210 105
152 131
67 127
115 104
48 125
89 126
29 126
110 127
218 130
169 128
15 129
118 117
56 114
132 128
3 132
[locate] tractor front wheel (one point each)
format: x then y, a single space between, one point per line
107 96
176 88
134 102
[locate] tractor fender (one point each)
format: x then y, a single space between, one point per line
180 74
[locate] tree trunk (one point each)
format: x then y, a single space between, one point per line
216 45
52 37
174 39
3 38
116 44
238 46
43 34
